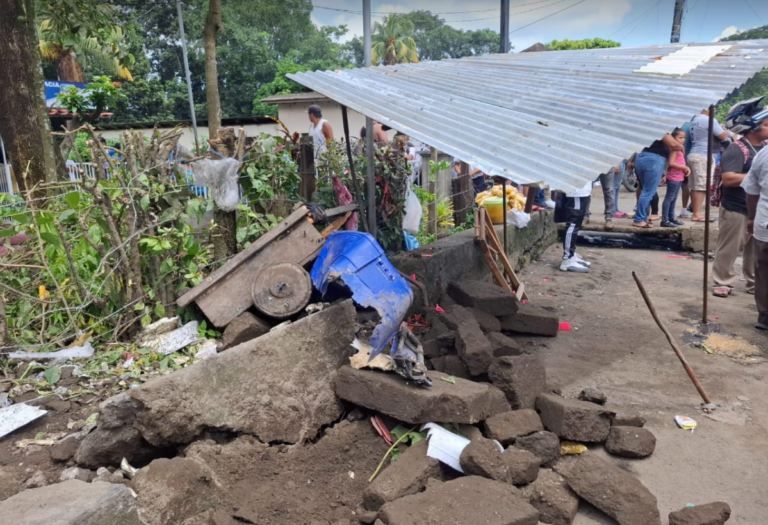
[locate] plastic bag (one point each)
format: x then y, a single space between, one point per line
221 177
412 218
518 218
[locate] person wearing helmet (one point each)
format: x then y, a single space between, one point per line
697 159
755 185
749 120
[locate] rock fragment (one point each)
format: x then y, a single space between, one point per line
408 475
72 503
474 348
531 319
544 445
460 401
488 322
244 327
522 466
593 395
630 442
451 365
469 500
553 498
628 420
483 457
508 426
503 345
484 296
573 419
612 490
710 514
521 378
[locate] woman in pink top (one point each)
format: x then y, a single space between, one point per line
676 173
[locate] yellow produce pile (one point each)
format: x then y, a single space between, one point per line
515 199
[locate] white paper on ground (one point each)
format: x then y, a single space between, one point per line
75 352
173 341
445 446
16 416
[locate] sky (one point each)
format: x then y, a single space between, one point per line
631 22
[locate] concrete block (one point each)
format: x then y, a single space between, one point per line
244 327
531 319
573 419
521 378
508 426
484 296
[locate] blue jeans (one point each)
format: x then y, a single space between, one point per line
670 199
649 168
617 180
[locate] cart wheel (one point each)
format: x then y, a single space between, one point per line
630 182
281 290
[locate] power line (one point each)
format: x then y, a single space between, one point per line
647 14
753 10
622 28
703 19
548 16
517 13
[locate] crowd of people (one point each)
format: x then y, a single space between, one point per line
679 160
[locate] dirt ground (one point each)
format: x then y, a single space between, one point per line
615 344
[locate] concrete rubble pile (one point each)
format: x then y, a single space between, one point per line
500 449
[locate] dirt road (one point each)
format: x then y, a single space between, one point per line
616 345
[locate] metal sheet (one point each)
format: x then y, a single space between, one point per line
560 117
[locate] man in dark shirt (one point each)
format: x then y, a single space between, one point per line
733 236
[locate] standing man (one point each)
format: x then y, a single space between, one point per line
756 186
576 206
751 121
478 179
697 159
319 129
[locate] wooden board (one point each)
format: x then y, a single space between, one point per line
232 296
485 236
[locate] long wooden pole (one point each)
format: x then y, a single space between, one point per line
355 187
672 342
706 215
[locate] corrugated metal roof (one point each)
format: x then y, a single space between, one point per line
559 117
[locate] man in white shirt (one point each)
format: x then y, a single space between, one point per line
697 159
755 184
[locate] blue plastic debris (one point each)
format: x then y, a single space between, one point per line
360 263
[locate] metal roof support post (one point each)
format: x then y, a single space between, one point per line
369 152
187 74
706 213
504 29
677 21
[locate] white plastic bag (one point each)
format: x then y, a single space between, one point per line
221 177
412 218
518 218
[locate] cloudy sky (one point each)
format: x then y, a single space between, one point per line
632 22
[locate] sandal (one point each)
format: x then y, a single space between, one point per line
721 291
643 225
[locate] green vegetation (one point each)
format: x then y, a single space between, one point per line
587 43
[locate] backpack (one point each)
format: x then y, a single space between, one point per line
716 191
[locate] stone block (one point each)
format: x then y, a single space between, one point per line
593 395
460 402
573 419
503 345
485 296
630 442
531 319
469 500
521 378
710 514
471 343
408 475
483 457
451 365
628 420
553 498
544 445
609 488
244 327
488 323
522 466
508 426
72 503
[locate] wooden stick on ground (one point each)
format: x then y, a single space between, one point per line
672 342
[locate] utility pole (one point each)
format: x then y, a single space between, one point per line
369 153
504 30
186 72
677 21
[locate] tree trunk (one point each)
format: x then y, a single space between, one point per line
68 68
212 26
225 235
24 122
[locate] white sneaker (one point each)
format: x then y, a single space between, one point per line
572 265
685 213
549 204
578 259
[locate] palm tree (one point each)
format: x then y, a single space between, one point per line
393 43
70 48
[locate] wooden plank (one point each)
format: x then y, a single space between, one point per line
498 276
530 194
341 210
233 295
495 245
307 168
240 258
335 225
462 199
